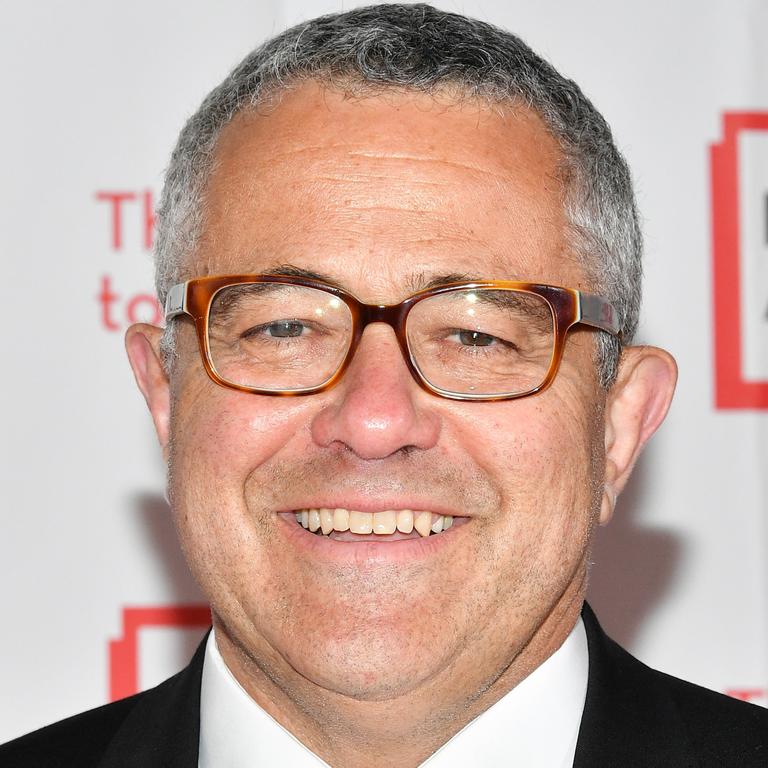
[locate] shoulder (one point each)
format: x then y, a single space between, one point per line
78 741
158 728
637 716
726 731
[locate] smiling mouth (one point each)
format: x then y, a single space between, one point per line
351 525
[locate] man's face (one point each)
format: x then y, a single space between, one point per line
382 195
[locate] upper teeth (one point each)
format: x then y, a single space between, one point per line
403 520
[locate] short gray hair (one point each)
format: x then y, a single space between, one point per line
421 48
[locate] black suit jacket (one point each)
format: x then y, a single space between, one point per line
634 717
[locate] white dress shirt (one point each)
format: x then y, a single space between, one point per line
535 725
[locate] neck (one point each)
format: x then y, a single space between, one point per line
404 730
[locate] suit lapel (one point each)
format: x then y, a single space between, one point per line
163 728
629 719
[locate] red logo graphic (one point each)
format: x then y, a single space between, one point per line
733 388
123 653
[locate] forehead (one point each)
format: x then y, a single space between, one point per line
384 190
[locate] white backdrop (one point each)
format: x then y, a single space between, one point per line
95 93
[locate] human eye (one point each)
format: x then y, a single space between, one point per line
276 329
478 340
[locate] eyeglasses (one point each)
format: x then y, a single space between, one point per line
285 335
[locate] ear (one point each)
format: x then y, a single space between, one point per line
142 342
636 406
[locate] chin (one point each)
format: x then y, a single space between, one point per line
372 662
372 679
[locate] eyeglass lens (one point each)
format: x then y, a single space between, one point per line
482 341
279 337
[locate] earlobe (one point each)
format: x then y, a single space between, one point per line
637 404
142 342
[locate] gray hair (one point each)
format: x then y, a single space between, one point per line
421 48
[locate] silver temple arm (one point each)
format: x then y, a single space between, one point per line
599 313
176 301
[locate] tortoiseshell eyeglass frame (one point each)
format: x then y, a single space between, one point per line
569 307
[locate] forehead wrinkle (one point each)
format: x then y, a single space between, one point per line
344 170
504 176
364 177
358 151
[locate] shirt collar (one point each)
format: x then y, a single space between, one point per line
536 724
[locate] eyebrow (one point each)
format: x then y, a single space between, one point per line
415 282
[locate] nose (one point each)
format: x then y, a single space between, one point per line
377 409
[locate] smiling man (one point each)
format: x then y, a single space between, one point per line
397 394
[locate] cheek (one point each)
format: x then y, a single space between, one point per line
222 438
544 455
534 442
223 435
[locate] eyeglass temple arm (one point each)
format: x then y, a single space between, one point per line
599 313
176 301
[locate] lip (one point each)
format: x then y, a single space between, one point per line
366 553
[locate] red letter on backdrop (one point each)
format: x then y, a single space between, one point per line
150 302
107 298
116 199
149 220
